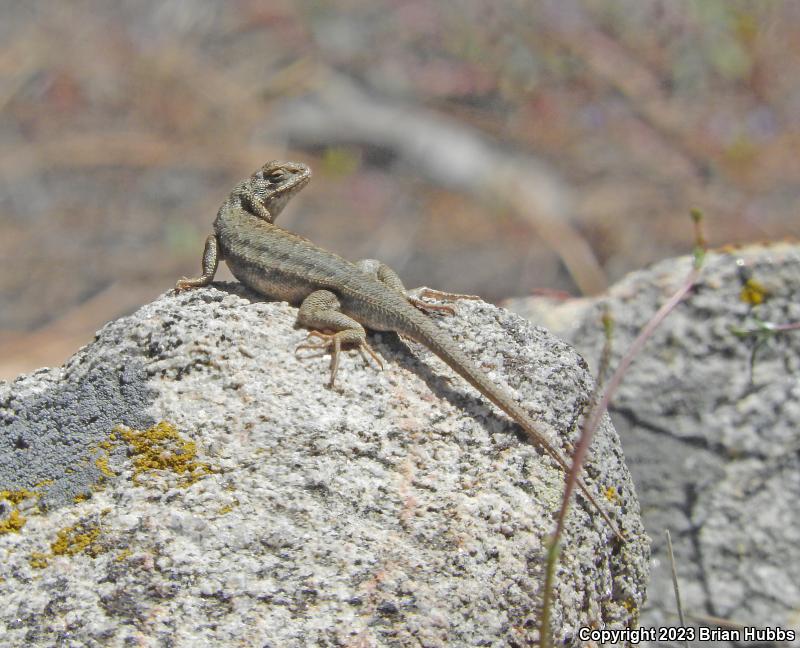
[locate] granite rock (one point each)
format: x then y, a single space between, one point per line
188 479
710 422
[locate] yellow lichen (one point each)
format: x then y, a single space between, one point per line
611 493
73 540
16 497
753 292
14 522
102 466
81 497
70 541
227 508
122 555
109 444
161 447
39 560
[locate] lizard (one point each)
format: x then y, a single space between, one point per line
337 299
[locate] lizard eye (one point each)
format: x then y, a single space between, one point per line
277 175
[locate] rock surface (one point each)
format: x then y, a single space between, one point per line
711 431
268 510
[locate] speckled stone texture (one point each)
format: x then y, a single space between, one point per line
398 509
710 423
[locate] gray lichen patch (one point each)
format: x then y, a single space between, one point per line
52 420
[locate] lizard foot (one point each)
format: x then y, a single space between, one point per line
333 342
414 297
184 283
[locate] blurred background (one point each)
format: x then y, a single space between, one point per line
502 149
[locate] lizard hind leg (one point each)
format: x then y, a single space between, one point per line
321 312
390 278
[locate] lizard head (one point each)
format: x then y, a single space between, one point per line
276 182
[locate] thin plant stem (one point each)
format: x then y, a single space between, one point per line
597 411
675 586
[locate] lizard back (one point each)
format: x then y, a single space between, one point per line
283 265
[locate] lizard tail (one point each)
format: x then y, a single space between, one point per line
445 347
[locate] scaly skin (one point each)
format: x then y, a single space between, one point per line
337 298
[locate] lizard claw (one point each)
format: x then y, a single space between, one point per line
182 284
427 306
442 295
415 294
333 342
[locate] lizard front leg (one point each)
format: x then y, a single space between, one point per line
321 312
210 262
390 278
